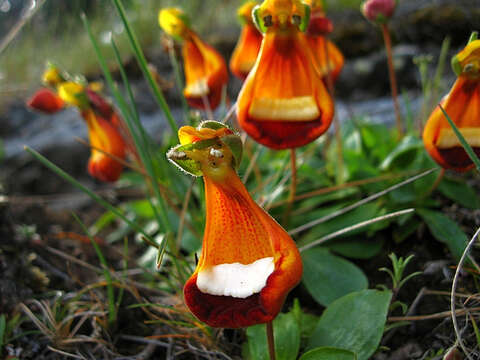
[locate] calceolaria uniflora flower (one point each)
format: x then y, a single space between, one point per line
205 69
249 42
462 104
248 262
103 123
283 102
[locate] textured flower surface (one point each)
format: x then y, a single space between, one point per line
248 262
462 104
283 102
248 45
327 57
205 69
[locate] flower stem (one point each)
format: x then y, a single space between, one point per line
393 79
293 186
437 182
270 339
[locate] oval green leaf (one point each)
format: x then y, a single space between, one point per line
328 277
354 322
328 353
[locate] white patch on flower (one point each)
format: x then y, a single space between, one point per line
235 280
447 138
300 108
198 88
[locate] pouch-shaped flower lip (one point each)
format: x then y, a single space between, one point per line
246 51
46 101
462 104
205 73
105 136
283 102
248 262
205 69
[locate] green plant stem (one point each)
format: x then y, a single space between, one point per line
271 340
393 80
179 81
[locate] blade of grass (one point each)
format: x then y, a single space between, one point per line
140 138
47 163
468 149
354 227
359 203
3 325
137 50
112 310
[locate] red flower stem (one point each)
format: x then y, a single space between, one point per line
437 182
271 341
336 123
393 79
293 186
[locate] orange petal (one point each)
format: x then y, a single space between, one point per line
205 73
45 100
283 102
462 104
104 136
326 56
238 233
246 51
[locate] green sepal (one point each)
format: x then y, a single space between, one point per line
456 66
473 37
235 145
306 19
177 156
212 124
257 20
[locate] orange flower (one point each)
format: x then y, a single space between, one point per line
462 104
283 102
107 145
46 101
248 262
327 57
205 69
248 45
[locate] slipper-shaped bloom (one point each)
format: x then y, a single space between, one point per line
248 262
462 104
205 69
246 51
283 102
107 145
105 138
327 57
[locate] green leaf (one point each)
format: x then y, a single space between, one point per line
403 154
307 322
445 230
354 322
3 324
460 192
286 335
328 277
328 353
357 248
